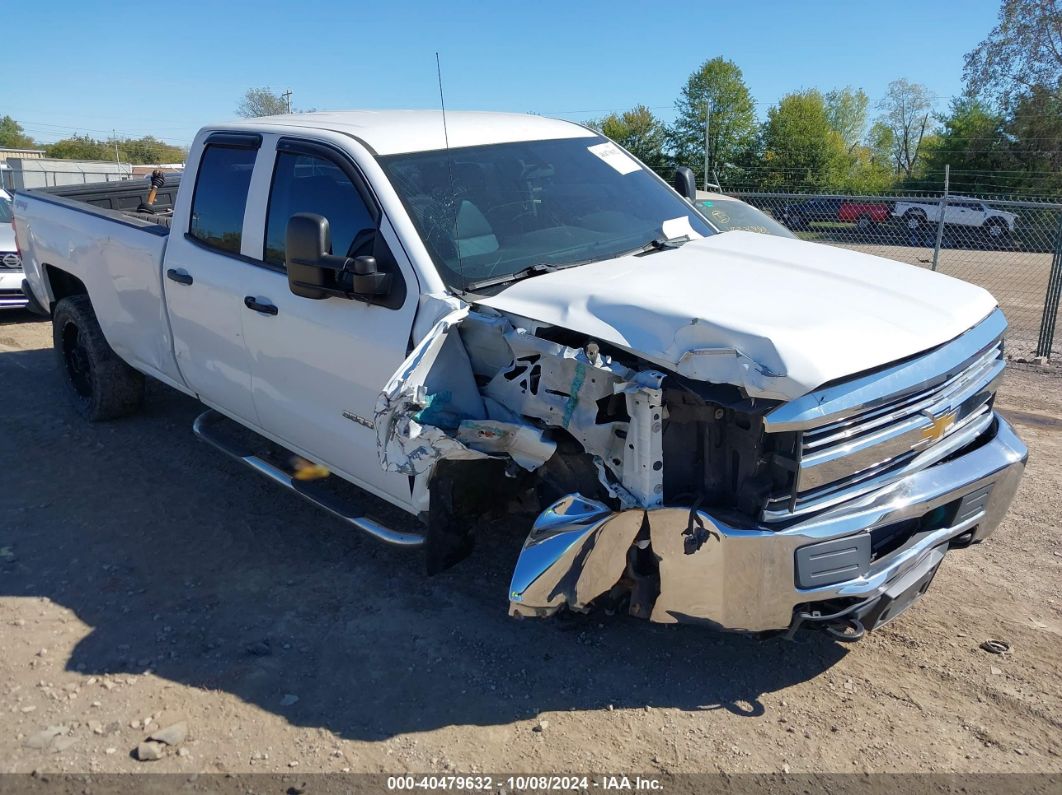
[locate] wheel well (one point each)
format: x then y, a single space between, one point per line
63 285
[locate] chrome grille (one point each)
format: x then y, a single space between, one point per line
924 410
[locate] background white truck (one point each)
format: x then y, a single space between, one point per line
467 313
959 211
11 296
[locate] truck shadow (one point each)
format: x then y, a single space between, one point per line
182 563
12 317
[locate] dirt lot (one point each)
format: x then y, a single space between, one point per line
145 579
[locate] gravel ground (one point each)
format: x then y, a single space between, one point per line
146 581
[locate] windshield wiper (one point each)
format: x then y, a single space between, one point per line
660 244
656 244
524 273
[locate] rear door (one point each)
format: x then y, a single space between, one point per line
975 214
318 366
204 272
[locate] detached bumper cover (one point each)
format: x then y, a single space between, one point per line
746 578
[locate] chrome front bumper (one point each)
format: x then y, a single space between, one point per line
749 578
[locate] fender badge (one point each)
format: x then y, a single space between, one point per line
350 415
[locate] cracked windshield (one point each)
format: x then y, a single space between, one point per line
488 212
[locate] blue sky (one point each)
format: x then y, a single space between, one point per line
571 59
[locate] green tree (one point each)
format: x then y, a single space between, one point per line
866 173
79 147
261 102
639 132
801 150
1034 131
12 135
880 142
846 109
972 140
147 150
150 150
905 111
717 84
1023 52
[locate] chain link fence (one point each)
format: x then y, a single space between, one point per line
1011 248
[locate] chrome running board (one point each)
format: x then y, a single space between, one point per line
205 427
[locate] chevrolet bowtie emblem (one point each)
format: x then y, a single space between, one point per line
939 425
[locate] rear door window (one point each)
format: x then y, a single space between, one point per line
221 197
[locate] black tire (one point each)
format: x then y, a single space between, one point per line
914 220
997 232
102 385
864 222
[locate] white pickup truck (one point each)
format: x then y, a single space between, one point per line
960 211
11 296
467 313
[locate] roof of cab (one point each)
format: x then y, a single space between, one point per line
390 132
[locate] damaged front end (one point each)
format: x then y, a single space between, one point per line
478 388
680 500
556 422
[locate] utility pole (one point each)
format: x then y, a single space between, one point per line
117 160
943 212
707 139
287 99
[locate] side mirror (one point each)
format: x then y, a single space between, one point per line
313 272
307 240
685 183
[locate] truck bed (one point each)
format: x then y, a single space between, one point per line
93 234
117 200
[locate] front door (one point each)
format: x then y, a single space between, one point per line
318 366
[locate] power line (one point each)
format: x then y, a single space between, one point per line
601 110
44 128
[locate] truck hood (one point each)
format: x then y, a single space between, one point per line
774 316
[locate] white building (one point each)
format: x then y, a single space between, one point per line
41 172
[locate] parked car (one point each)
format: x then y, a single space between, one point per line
728 214
11 295
996 225
863 214
736 430
800 216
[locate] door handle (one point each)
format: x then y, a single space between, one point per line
180 277
266 309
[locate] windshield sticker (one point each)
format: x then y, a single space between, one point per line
615 157
675 228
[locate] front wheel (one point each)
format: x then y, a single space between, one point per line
103 386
